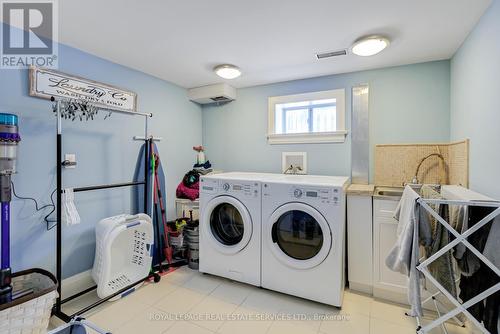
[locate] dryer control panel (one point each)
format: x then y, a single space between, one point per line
320 194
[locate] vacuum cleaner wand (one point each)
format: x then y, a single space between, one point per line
9 139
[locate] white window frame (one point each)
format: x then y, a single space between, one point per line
308 137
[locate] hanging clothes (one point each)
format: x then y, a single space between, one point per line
479 277
492 246
442 268
404 255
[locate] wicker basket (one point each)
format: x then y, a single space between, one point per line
30 313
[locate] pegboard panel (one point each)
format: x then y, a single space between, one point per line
396 164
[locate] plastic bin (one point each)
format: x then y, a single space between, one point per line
124 247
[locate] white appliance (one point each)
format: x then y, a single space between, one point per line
212 94
303 236
230 226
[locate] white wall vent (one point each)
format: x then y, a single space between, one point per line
218 93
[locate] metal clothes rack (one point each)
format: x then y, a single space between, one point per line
57 311
459 238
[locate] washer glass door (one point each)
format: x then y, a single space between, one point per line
300 235
227 224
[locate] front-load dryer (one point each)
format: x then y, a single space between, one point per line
303 227
230 227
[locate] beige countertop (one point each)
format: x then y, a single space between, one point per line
361 189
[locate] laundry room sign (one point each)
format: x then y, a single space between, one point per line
46 83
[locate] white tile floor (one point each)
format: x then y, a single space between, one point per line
186 301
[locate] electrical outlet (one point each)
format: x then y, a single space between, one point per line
70 160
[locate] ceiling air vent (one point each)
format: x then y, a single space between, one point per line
220 99
331 54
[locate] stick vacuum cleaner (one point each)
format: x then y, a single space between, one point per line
9 139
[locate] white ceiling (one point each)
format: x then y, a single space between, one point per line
270 40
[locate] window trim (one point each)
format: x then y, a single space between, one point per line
308 137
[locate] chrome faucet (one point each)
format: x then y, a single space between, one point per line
415 178
293 170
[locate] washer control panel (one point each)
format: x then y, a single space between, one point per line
211 186
317 194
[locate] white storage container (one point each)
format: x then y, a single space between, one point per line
124 252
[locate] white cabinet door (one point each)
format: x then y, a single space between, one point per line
387 284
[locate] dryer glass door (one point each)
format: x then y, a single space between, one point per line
227 224
299 236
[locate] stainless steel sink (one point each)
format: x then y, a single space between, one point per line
390 193
394 193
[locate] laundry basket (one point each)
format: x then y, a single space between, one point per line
124 249
102 231
31 312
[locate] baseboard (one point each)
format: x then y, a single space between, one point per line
77 283
360 287
391 296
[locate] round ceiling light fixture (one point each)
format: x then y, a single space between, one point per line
227 71
370 45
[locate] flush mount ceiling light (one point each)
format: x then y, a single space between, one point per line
227 71
370 45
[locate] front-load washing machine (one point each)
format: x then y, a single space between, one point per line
230 228
303 227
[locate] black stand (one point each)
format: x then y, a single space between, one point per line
57 311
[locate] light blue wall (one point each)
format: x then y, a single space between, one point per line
475 101
407 104
105 152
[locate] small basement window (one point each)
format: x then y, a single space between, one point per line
317 117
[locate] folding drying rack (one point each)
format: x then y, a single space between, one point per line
459 238
57 311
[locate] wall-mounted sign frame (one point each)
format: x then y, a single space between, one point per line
46 83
